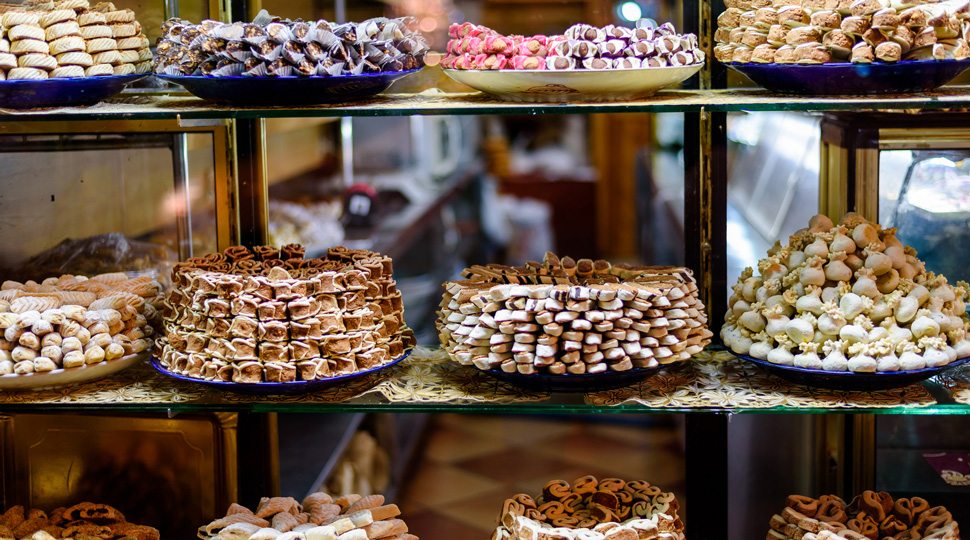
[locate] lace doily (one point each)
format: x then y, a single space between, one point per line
717 379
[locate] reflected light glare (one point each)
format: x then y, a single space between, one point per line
630 11
428 24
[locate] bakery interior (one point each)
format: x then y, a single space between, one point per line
438 194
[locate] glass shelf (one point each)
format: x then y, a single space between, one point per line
143 106
713 382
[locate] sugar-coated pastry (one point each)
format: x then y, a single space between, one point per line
889 51
39 61
67 44
99 70
95 46
96 31
22 73
26 31
763 54
67 72
57 16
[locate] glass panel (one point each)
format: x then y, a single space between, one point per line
106 202
151 13
773 186
911 188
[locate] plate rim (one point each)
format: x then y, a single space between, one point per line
156 363
572 71
176 78
853 375
45 377
947 61
575 377
98 78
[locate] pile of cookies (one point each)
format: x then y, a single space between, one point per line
70 38
870 516
319 517
591 509
274 47
860 31
562 317
81 521
582 46
270 315
73 321
847 297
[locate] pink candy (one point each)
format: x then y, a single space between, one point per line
528 62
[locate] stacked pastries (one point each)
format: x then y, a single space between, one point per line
72 39
582 46
73 321
563 317
861 31
81 521
270 315
870 516
592 509
318 517
272 47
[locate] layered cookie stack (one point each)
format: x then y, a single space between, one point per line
270 315
72 39
847 297
591 509
861 31
85 520
72 321
564 317
319 517
870 516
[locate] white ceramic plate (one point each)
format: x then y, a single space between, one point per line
65 377
577 85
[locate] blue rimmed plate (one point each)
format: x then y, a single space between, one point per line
69 377
849 381
269 388
66 92
570 383
281 91
844 78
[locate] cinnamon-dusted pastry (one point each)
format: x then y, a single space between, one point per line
777 34
826 20
862 53
793 16
765 18
752 38
855 26
803 34
889 51
838 43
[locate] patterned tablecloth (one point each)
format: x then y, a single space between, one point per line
713 379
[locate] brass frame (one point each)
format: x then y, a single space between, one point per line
223 156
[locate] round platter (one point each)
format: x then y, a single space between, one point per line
66 92
849 381
268 388
577 85
66 377
907 76
281 91
579 383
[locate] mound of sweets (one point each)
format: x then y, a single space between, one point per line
69 322
861 31
318 517
270 315
476 47
870 516
71 39
82 521
591 509
274 47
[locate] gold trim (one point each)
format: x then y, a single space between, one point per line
867 183
833 186
864 455
229 440
924 139
705 196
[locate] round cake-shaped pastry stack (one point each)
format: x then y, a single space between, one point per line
582 46
870 516
319 517
72 321
860 31
271 47
564 317
72 39
270 315
591 509
847 297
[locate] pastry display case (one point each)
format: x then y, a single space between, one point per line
223 218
